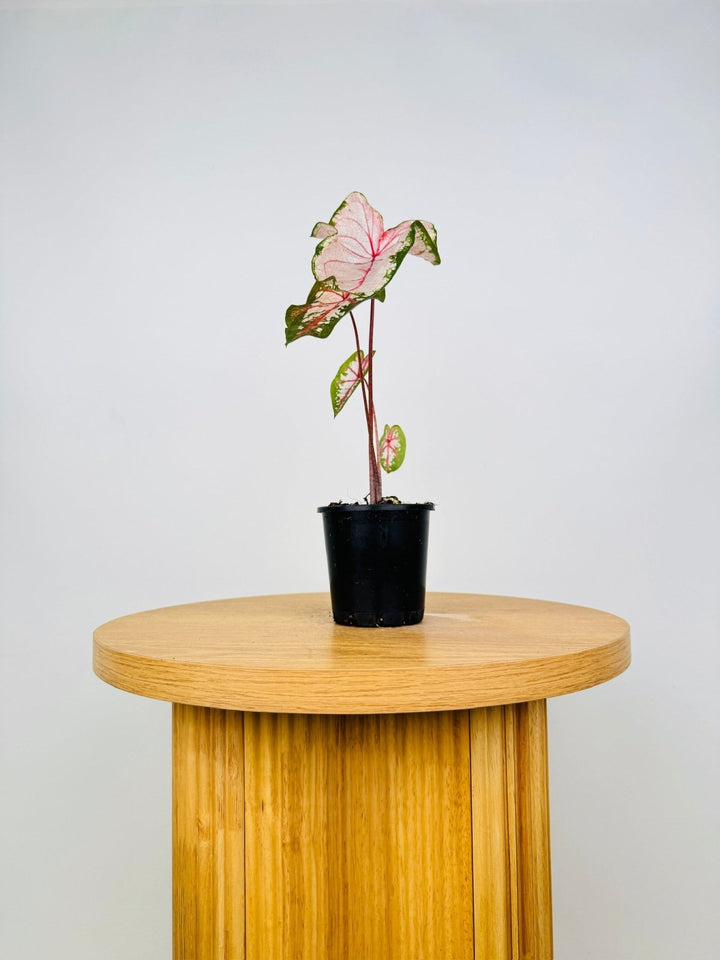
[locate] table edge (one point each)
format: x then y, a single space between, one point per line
456 686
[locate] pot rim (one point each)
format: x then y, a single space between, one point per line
374 507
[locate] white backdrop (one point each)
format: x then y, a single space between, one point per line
557 377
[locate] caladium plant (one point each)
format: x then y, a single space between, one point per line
354 262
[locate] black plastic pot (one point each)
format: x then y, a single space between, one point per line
377 557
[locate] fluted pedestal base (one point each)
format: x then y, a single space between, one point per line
384 837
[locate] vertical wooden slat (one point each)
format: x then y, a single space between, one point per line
510 716
286 818
511 850
208 834
184 861
493 861
233 883
533 816
358 837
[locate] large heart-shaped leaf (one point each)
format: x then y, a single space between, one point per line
360 254
317 317
392 448
347 380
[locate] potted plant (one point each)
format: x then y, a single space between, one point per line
377 550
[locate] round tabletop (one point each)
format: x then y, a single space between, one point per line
284 654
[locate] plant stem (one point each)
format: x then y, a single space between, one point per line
360 370
374 468
374 448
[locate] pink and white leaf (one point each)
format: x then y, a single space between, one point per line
347 379
317 317
360 254
425 243
392 448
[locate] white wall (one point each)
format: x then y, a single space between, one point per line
557 378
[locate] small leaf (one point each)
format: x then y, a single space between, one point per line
425 245
392 448
360 254
347 379
317 317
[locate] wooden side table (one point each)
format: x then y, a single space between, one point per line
350 794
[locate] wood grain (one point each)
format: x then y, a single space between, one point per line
284 654
358 837
532 806
384 794
208 835
511 838
412 837
494 863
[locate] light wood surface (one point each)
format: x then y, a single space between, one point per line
349 794
358 837
208 834
284 654
511 832
410 837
